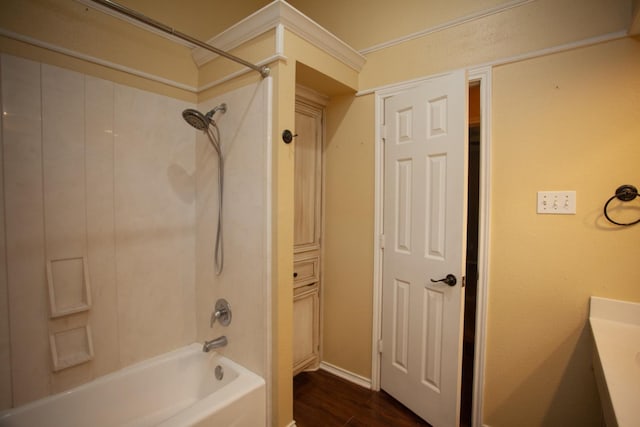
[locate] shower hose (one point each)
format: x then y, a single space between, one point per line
214 136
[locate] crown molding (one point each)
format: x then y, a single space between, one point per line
280 15
446 25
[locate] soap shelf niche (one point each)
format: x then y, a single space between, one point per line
68 283
71 347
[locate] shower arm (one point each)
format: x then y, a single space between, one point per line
263 70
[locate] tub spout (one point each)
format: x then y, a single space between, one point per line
214 343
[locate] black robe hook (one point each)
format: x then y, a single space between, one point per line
287 136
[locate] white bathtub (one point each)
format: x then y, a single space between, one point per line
175 389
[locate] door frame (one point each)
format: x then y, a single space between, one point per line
483 76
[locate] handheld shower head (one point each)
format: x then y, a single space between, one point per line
196 119
202 121
205 123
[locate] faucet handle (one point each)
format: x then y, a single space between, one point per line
222 312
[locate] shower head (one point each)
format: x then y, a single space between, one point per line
202 121
196 119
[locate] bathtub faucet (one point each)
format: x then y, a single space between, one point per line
214 343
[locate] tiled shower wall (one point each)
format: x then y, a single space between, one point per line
98 185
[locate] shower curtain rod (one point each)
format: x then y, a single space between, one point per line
264 70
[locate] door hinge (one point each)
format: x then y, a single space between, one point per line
382 241
464 281
383 131
379 346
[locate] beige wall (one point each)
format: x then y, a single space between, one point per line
534 26
201 19
72 25
567 121
381 20
282 254
348 234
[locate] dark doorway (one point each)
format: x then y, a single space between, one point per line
473 206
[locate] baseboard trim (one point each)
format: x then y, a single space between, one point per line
346 375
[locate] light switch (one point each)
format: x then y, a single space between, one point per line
557 202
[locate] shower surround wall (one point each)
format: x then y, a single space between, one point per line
100 172
245 139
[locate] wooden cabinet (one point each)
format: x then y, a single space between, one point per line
307 178
307 235
306 322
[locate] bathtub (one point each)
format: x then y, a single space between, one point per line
175 389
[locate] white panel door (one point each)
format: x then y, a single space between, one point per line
425 202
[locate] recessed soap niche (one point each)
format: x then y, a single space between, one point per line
71 347
68 282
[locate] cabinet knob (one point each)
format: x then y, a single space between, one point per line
295 274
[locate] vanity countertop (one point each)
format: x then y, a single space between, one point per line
616 332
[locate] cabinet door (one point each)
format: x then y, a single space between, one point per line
306 332
307 178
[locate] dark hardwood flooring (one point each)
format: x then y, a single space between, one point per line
321 399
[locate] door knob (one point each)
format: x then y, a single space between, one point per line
449 280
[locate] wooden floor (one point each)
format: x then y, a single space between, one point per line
321 399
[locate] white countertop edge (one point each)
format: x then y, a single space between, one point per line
615 310
616 332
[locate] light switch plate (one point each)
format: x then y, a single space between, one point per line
557 202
